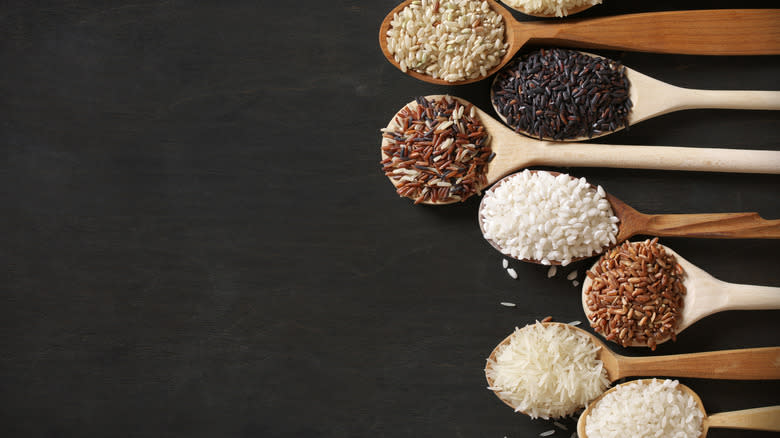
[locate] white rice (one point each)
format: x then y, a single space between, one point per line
547 371
453 40
512 273
655 409
547 433
552 271
505 263
508 304
572 275
560 8
540 216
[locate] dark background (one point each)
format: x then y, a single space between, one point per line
196 238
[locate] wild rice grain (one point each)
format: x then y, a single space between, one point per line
561 94
436 151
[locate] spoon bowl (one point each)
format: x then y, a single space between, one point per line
766 418
704 32
631 223
652 98
704 296
514 151
741 364
569 12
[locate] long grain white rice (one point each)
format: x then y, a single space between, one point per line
547 371
540 216
656 409
453 40
560 8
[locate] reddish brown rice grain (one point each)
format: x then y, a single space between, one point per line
436 151
636 294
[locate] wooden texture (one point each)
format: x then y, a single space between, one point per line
741 364
702 225
706 295
767 418
702 32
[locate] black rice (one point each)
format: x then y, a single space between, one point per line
436 151
562 94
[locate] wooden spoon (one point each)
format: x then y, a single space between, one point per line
703 32
514 151
653 98
632 222
740 364
767 418
567 12
706 295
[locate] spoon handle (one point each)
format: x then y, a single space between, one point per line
767 418
749 297
702 32
727 99
741 364
652 157
715 225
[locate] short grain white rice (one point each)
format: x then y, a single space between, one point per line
572 275
505 263
552 271
540 216
454 40
560 8
643 410
512 273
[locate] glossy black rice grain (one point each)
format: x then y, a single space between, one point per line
562 94
436 151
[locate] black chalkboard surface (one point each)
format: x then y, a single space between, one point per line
197 239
